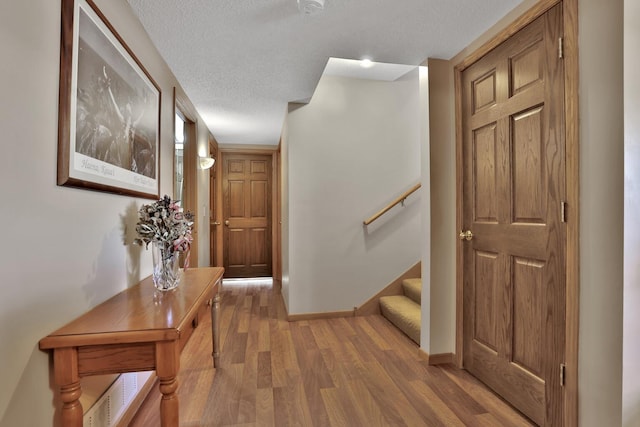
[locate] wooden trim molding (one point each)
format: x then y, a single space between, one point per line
572 141
190 172
213 202
275 219
459 217
522 21
248 149
441 358
423 355
436 359
571 82
219 208
315 316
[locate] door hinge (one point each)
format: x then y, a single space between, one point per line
563 211
560 47
562 374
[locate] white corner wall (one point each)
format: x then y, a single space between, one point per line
425 211
442 180
350 151
64 250
631 319
202 222
284 208
601 212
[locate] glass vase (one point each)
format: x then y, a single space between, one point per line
166 267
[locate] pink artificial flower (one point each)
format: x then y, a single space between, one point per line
181 244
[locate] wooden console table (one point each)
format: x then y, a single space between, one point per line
139 329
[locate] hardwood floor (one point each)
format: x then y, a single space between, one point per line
355 371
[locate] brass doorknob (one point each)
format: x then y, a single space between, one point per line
226 223
216 223
466 235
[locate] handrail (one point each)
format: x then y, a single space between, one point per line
399 199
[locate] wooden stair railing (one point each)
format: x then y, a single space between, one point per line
399 199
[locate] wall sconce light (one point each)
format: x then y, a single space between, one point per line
206 162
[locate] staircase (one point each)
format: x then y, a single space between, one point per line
404 310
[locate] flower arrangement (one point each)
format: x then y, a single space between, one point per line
164 223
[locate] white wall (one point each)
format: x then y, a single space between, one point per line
284 208
442 180
425 210
202 222
601 212
64 250
351 150
631 329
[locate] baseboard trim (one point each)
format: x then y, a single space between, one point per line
435 359
372 306
315 316
440 359
423 355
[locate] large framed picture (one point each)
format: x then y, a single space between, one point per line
109 109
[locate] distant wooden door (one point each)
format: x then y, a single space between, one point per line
513 192
247 215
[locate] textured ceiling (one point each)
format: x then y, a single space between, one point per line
241 61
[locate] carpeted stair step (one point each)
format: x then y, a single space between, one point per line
404 313
412 289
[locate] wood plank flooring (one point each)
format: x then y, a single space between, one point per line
355 371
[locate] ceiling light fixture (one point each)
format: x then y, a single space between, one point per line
366 63
310 7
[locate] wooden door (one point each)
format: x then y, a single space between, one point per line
247 215
513 192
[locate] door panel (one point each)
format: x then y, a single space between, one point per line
259 201
526 67
236 199
484 91
235 248
485 174
247 215
529 168
528 316
258 245
513 274
485 277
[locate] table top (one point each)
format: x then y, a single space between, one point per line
140 313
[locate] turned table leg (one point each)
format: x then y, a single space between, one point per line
65 365
169 406
71 408
167 367
215 328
